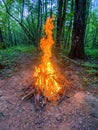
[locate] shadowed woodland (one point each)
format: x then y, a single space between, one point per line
75 52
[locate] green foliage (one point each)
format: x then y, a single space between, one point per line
19 49
24 49
91 39
1 46
89 64
92 71
9 2
91 52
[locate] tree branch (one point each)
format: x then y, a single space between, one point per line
20 23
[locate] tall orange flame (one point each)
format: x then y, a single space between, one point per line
45 74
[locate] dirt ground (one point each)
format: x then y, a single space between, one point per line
78 110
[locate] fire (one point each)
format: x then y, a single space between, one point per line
47 80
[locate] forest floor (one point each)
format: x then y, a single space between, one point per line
77 111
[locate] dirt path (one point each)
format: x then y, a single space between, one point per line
78 111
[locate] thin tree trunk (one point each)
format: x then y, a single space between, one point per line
15 41
1 37
23 3
51 9
45 10
68 35
95 38
39 22
60 21
9 32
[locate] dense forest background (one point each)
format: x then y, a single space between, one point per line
76 25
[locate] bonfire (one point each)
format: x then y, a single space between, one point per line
47 79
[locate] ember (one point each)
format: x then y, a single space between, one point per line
47 79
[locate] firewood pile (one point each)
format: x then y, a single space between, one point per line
31 92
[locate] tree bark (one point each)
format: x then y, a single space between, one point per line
45 10
79 27
39 23
1 37
23 3
60 20
51 9
95 38
69 29
9 31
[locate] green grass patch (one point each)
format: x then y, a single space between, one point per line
89 64
92 71
11 53
17 49
25 49
91 52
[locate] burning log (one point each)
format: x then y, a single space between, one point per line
39 99
29 95
47 77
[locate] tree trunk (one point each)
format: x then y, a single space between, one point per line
39 23
9 32
1 37
45 10
95 38
69 29
23 3
78 34
60 20
14 38
51 9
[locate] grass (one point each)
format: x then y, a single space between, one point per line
8 55
91 52
23 49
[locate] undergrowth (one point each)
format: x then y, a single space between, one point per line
9 55
91 52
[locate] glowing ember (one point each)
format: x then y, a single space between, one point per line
47 79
